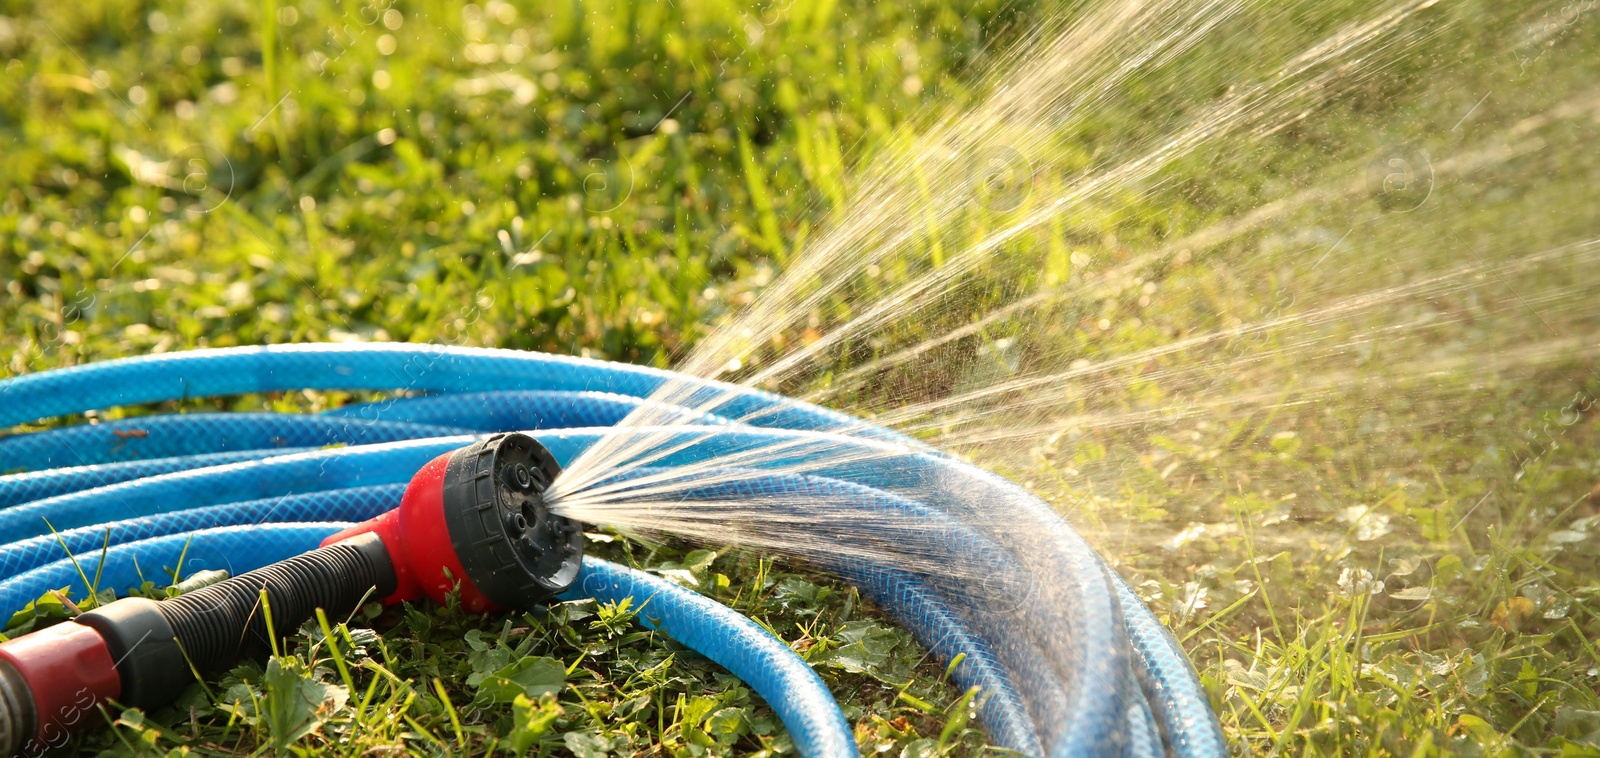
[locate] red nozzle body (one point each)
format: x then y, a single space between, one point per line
425 561
476 518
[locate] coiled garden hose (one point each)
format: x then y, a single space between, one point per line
1071 663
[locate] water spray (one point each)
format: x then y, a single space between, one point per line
470 486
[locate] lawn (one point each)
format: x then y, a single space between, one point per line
1338 430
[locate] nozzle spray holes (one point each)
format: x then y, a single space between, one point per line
523 521
525 478
519 522
525 518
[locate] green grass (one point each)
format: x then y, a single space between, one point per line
613 178
539 200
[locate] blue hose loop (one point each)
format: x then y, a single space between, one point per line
790 687
1144 738
191 434
738 644
419 417
1126 629
942 632
340 468
1179 705
38 485
353 505
518 410
385 367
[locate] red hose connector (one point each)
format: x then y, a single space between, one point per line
51 681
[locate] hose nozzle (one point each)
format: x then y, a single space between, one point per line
476 517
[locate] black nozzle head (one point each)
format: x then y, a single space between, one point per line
515 551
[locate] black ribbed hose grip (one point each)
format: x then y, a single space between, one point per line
215 623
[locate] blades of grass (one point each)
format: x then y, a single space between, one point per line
1219 615
761 198
333 650
88 585
423 732
265 606
99 569
194 670
269 65
183 555
1255 567
450 709
1583 639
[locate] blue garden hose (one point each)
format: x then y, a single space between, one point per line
1071 663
